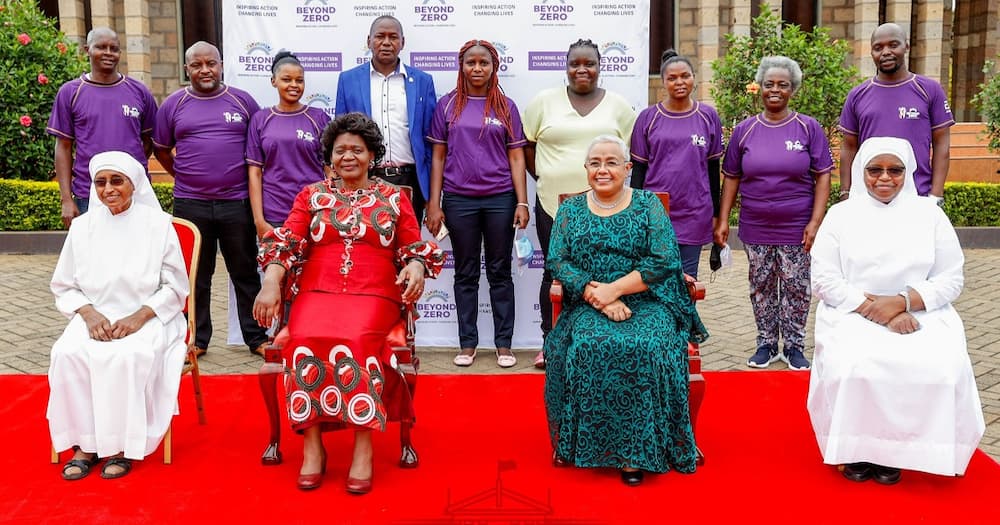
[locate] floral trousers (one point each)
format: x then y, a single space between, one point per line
779 293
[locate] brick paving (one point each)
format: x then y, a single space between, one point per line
29 324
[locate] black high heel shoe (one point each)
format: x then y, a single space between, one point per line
633 478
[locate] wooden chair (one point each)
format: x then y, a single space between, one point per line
190 241
696 289
401 340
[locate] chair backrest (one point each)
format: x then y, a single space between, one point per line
190 241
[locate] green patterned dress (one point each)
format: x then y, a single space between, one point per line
616 393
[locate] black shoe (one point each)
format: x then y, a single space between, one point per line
560 462
886 475
632 479
858 471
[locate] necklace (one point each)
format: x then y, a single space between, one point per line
613 205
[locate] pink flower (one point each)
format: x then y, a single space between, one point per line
24 39
42 79
753 88
25 120
61 47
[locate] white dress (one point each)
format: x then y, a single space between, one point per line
905 401
120 395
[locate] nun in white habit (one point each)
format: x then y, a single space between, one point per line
892 386
122 283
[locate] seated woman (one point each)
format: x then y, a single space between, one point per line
616 380
122 283
892 386
351 243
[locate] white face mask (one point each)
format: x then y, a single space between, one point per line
524 250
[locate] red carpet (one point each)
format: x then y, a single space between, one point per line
763 467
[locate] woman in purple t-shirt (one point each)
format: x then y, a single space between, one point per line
779 162
283 146
478 166
676 147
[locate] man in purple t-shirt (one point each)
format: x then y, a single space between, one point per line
206 127
898 103
101 111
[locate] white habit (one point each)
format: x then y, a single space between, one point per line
118 396
904 401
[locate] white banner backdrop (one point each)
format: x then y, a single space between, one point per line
531 36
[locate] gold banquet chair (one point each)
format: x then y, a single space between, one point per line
190 242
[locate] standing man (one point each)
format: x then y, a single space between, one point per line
102 110
897 103
207 124
401 101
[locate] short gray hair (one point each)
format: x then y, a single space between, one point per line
98 32
608 139
780 62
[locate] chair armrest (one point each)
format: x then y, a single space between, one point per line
696 289
556 297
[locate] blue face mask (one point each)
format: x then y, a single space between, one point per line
524 250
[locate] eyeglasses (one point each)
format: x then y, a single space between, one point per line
611 164
114 180
893 171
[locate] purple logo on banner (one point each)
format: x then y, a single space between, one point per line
320 61
552 11
322 101
537 260
256 59
546 60
435 61
615 58
316 14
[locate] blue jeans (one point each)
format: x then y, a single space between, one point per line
690 256
226 225
475 223
82 204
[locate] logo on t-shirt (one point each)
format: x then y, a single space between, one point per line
794 146
233 117
491 121
130 111
304 135
908 113
698 140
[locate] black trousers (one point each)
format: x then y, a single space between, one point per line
543 227
226 225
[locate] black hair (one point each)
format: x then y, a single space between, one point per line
356 124
395 20
584 43
283 57
671 57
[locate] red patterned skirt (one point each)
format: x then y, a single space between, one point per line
340 368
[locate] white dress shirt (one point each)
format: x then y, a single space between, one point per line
388 94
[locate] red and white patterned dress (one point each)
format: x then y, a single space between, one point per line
343 250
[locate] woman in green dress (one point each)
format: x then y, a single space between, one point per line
616 387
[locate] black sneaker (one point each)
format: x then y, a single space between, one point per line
764 356
794 359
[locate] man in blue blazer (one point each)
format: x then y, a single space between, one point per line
401 100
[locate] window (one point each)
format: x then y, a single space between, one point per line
661 32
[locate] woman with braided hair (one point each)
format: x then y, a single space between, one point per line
478 190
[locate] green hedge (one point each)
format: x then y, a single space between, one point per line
30 206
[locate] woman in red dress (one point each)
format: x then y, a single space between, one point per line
351 244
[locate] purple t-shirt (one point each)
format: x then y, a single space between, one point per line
287 147
210 134
910 109
477 163
99 118
776 164
677 146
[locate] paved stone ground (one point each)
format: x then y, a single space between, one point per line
29 324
